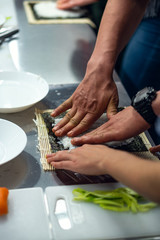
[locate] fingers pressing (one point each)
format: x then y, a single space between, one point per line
83 125
60 160
58 156
90 139
62 108
69 115
69 122
101 134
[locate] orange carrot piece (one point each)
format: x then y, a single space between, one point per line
3 200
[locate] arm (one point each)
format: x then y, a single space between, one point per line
123 125
119 22
97 92
139 174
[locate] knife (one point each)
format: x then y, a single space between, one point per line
6 32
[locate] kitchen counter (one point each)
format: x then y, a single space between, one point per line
59 54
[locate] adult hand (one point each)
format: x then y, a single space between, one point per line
88 159
66 4
87 104
125 124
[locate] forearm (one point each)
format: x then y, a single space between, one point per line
139 174
119 22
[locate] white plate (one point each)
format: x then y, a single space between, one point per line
12 141
2 21
20 90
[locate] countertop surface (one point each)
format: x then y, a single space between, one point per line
59 53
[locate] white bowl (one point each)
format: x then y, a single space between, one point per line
20 90
12 141
2 21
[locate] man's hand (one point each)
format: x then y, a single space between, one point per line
125 124
87 104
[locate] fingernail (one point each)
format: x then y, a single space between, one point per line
55 128
58 133
75 139
52 113
48 155
69 134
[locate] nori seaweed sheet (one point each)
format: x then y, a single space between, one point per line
136 145
53 139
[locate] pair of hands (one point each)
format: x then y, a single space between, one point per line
86 106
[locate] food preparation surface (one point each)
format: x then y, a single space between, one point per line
87 221
27 217
54 215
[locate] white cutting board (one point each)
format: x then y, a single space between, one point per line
27 217
88 221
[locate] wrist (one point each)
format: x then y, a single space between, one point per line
103 63
112 162
156 104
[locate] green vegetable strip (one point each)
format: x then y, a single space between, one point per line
120 199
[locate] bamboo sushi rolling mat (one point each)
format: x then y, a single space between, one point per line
45 147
